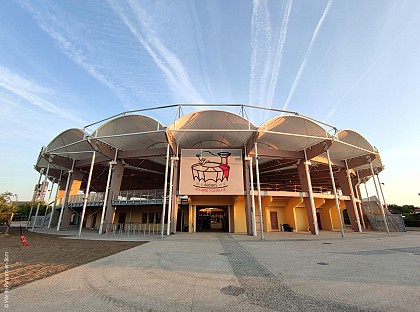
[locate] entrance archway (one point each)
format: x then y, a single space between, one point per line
212 219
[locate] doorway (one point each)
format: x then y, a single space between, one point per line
212 219
93 223
318 218
274 221
121 220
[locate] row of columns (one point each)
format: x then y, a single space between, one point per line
38 191
113 184
349 187
115 174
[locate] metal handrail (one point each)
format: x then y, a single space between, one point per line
139 195
291 188
134 228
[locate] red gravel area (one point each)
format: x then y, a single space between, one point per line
47 255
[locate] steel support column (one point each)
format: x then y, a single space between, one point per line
66 196
382 192
34 197
55 198
311 195
337 201
85 200
359 196
359 205
175 205
359 226
251 176
379 198
257 172
48 200
248 206
108 181
168 231
367 193
39 202
165 189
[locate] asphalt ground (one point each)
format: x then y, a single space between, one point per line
367 271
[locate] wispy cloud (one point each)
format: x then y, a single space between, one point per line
332 111
307 55
177 77
279 54
261 34
71 47
31 92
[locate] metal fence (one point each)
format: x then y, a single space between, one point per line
133 229
40 221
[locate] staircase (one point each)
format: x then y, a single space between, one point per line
395 222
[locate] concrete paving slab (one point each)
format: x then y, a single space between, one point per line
222 272
373 270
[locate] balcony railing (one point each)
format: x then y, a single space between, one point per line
94 199
290 188
138 197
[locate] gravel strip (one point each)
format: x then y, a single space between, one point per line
262 288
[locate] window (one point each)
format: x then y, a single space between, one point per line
151 217
144 217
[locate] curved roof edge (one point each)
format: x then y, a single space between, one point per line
131 116
203 112
63 135
342 137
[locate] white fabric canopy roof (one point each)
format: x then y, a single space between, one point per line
70 144
132 132
211 129
291 133
350 144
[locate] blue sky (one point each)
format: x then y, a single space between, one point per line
353 64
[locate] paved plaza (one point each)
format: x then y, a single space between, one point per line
369 271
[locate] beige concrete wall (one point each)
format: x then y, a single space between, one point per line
290 210
239 215
302 223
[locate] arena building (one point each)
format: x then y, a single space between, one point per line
210 170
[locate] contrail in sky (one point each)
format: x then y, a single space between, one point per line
279 54
308 53
332 111
261 35
199 39
167 61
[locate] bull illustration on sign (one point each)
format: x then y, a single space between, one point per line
208 173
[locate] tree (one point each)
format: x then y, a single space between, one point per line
7 208
406 209
23 209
